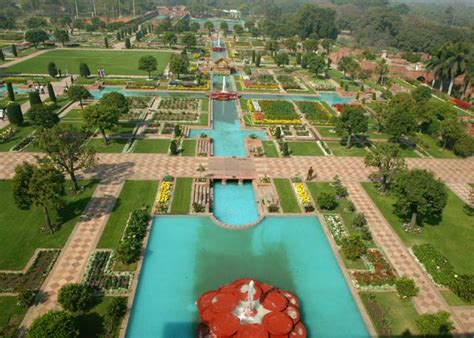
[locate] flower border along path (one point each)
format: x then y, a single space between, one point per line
72 261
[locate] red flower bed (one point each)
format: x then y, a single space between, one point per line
381 274
462 104
339 107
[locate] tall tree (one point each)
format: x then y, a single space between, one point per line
352 121
148 64
281 59
291 44
84 70
388 160
310 45
51 94
103 118
115 101
62 36
382 69
209 26
419 195
400 120
169 38
36 36
41 185
179 64
311 19
52 70
64 145
78 93
11 92
189 39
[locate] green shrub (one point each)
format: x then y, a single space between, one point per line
54 324
435 324
353 246
327 201
359 220
114 315
435 263
130 246
43 116
76 297
406 288
34 98
365 233
26 297
463 286
14 114
379 317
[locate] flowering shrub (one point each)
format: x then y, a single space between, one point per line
380 272
130 246
7 134
164 195
336 227
99 274
462 104
303 196
441 271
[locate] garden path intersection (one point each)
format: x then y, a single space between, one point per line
114 169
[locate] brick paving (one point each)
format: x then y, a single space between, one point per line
115 168
70 266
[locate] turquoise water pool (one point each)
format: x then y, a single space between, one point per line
187 256
227 197
3 90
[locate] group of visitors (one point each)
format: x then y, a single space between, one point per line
101 72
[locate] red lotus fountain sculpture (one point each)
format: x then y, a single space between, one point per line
219 47
223 95
249 309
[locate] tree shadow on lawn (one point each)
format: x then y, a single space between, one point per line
111 172
90 325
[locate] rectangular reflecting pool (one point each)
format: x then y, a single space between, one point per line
187 256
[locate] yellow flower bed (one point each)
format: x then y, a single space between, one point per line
165 189
302 193
266 121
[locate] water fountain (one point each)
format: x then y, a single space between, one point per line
248 308
223 95
218 47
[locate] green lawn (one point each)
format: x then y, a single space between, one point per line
339 149
453 300
400 313
22 132
432 146
156 146
20 231
114 145
327 132
203 119
305 148
134 195
114 62
288 201
270 149
8 308
189 148
205 105
452 233
182 195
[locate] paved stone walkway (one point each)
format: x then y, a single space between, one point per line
21 59
429 299
70 266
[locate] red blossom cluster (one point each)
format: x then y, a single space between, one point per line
382 273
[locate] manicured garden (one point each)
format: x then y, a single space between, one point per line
114 62
454 230
305 148
270 149
288 201
20 232
152 146
182 195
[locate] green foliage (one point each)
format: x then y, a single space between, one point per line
327 201
174 147
315 63
43 116
281 59
435 263
62 36
52 70
14 114
377 314
103 117
169 38
406 288
78 93
84 70
435 324
64 145
464 146
463 286
353 246
128 45
278 110
54 324
130 247
359 220
285 150
106 42
14 50
76 298
115 312
11 92
311 20
51 94
41 185
419 196
35 36
258 60
387 159
34 98
179 64
189 40
26 297
400 120
148 64
352 121
115 101
421 94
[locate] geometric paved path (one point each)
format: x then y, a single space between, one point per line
71 263
429 299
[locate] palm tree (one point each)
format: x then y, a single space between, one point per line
456 60
382 69
468 76
436 64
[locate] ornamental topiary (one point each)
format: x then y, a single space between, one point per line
14 114
34 98
54 324
406 288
